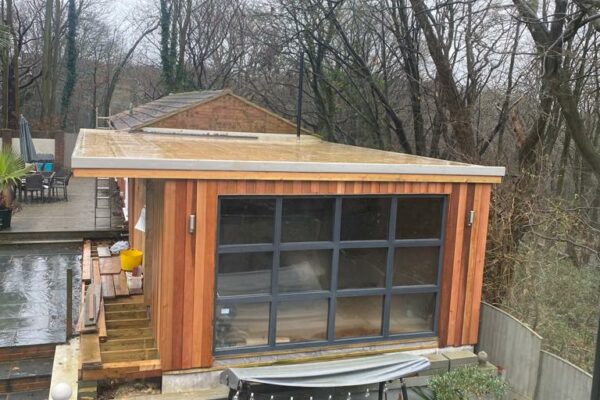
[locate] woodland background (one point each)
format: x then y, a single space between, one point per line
497 82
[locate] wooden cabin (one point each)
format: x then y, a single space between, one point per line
261 246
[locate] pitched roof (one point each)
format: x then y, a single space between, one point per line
166 106
253 152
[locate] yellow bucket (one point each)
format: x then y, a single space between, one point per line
131 259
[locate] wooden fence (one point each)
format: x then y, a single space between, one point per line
531 372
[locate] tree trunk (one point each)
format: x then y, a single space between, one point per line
117 73
459 112
47 63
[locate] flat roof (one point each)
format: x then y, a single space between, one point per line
187 150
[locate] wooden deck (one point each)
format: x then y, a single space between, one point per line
59 219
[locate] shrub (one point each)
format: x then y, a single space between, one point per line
469 383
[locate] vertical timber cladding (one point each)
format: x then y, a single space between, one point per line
188 260
463 264
137 200
153 254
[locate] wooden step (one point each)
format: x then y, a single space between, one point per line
129 355
111 307
127 343
133 299
128 333
127 314
143 369
128 323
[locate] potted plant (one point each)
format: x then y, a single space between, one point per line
12 169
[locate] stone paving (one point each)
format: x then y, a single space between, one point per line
33 292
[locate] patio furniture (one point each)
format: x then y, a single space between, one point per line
61 181
34 184
49 182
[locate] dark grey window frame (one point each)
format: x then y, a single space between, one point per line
335 245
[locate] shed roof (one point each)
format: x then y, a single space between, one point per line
166 106
184 150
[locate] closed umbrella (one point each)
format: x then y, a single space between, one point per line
28 153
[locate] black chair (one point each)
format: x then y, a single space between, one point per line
34 184
61 181
49 183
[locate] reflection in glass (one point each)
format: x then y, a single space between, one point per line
244 324
362 268
304 270
410 313
419 218
358 316
416 266
365 218
244 273
307 220
247 221
302 321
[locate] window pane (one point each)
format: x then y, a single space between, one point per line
362 268
307 220
242 325
244 273
416 266
358 316
365 218
412 313
302 321
419 218
304 270
247 221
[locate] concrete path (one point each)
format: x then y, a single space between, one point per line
64 369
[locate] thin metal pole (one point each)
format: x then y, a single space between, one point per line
596 376
404 390
380 391
300 93
69 319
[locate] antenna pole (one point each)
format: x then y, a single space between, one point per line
300 92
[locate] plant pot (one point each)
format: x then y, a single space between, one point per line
5 217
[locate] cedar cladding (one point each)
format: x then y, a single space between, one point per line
183 267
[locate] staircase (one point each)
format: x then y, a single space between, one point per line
26 372
129 337
107 204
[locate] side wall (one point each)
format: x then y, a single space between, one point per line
227 113
187 261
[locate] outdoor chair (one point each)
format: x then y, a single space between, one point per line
49 183
34 184
61 181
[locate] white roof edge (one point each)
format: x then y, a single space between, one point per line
78 161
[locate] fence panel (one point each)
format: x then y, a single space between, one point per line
560 380
512 346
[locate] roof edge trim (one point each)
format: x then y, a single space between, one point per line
281 166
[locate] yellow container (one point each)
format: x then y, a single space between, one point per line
131 259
